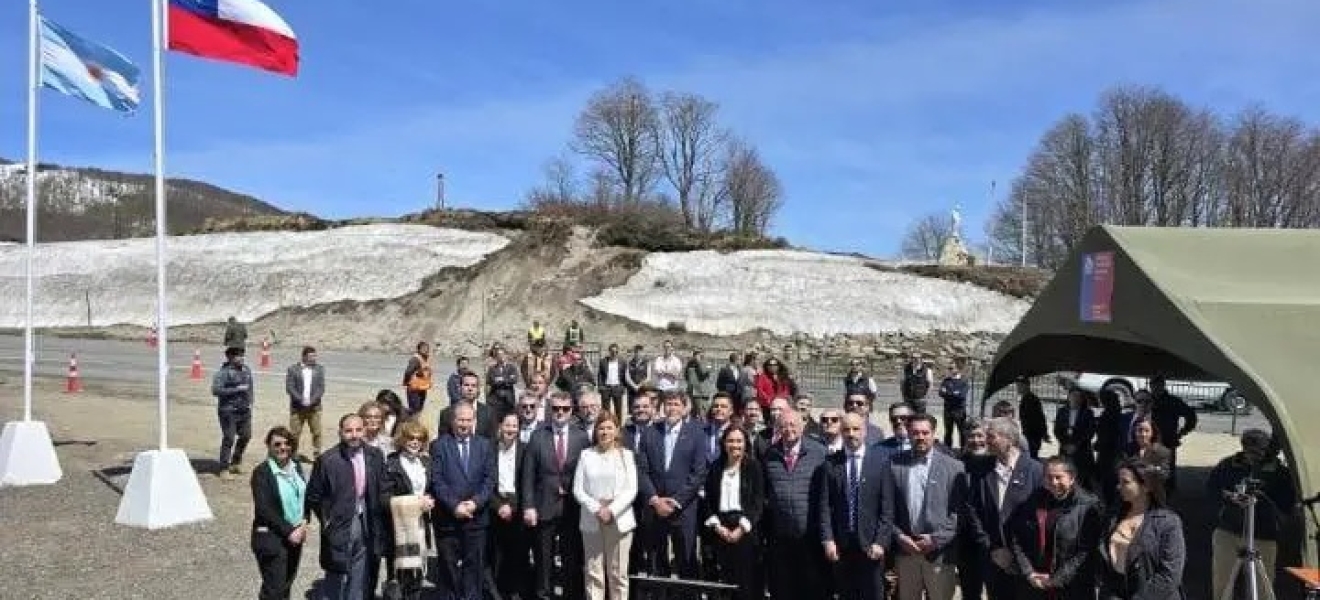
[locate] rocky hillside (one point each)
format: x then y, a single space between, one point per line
77 203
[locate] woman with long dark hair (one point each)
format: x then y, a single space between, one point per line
278 528
1142 549
1146 447
1053 537
735 494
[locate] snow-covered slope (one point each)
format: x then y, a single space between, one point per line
74 191
243 274
790 291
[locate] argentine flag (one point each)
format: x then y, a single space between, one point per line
74 66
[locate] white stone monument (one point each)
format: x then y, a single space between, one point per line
954 253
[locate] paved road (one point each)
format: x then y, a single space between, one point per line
128 361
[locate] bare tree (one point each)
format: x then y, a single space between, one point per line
689 145
617 129
752 190
1271 172
560 186
925 237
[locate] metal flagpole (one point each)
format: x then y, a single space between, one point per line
158 118
29 353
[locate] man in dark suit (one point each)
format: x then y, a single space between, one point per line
930 490
796 559
637 434
996 489
677 469
855 496
545 483
345 494
485 424
462 483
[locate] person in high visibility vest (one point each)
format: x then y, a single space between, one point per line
536 335
417 378
573 337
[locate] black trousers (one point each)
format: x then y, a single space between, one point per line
235 433
736 564
467 545
611 397
857 577
277 560
955 420
677 534
796 565
416 401
972 571
510 556
559 537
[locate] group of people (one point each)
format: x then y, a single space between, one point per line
541 491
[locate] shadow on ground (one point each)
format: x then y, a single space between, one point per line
116 477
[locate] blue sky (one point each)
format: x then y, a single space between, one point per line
872 111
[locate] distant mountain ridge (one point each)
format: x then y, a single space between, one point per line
85 203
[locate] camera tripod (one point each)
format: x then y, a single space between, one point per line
1249 562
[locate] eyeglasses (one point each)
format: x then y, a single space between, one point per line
527 406
900 419
851 403
563 409
416 438
829 419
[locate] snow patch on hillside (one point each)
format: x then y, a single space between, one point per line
791 291
247 275
73 191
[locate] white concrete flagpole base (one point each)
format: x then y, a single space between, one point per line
27 455
162 492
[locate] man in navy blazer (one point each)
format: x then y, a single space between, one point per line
676 461
855 498
996 490
462 483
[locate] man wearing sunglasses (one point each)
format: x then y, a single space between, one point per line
545 484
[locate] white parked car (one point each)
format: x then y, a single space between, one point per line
1200 395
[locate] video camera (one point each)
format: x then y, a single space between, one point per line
1249 486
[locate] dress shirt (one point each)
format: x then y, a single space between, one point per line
730 498
505 473
918 475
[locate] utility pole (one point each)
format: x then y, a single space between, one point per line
1024 231
440 191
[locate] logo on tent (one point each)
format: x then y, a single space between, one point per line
1097 293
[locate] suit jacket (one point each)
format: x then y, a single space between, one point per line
332 498
945 494
451 484
1154 561
514 501
294 385
1075 442
1070 535
751 493
687 466
542 485
987 517
875 500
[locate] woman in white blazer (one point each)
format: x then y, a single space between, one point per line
605 485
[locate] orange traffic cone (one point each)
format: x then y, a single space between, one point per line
152 338
73 384
265 354
196 374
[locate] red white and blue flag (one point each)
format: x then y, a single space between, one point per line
246 32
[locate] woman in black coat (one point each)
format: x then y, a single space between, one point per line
407 473
735 522
278 528
1142 549
1053 537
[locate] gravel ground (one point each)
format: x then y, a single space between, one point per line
60 542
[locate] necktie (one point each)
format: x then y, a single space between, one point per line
463 454
561 453
790 458
854 486
359 474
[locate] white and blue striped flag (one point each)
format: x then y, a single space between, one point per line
83 69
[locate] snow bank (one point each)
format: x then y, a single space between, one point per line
70 190
789 291
247 275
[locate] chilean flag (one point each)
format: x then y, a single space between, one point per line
239 31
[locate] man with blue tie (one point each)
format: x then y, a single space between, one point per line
462 483
677 466
856 504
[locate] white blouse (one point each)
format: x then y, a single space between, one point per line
730 498
612 476
416 472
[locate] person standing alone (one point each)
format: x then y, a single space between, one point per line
305 385
234 393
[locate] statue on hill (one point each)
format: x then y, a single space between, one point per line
954 253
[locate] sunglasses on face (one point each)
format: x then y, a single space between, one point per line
416 439
829 419
900 419
563 409
527 406
852 403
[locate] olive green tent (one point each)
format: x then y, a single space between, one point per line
1235 305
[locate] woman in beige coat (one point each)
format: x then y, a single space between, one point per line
605 485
